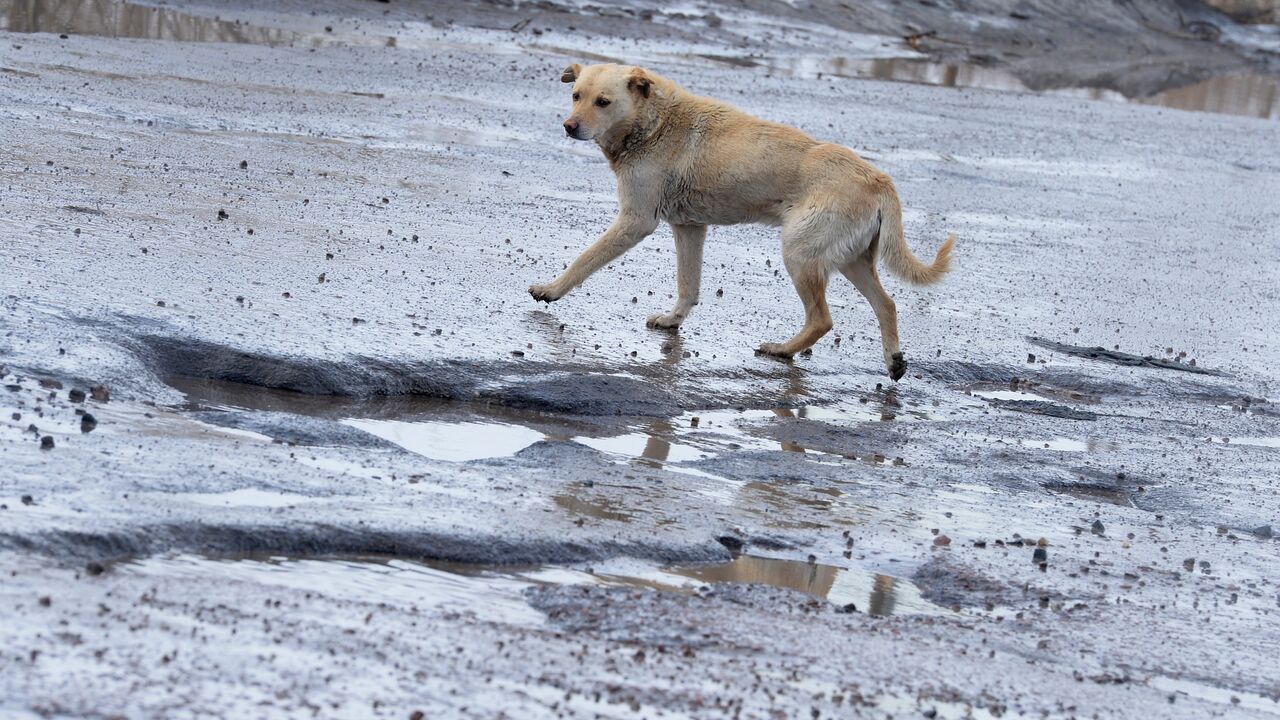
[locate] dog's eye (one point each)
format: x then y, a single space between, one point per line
575 97
601 102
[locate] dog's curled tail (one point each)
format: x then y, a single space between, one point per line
898 257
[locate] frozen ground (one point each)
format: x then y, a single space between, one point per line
348 468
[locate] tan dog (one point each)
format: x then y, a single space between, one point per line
694 162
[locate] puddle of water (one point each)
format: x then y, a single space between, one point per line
452 441
1005 395
1248 95
597 508
116 19
1061 444
494 593
1202 691
645 446
870 593
1267 442
424 585
245 497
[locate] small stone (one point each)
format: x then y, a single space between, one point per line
847 608
941 541
76 395
1040 555
222 215
94 568
50 384
28 500
1264 532
417 715
99 393
88 423
244 164
46 442
1189 564
1097 528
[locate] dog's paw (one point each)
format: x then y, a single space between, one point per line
666 322
773 350
543 293
897 366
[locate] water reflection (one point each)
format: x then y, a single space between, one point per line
111 18
495 593
596 507
873 594
1248 95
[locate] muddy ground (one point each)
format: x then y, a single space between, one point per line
282 434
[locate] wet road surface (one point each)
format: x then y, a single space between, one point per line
311 448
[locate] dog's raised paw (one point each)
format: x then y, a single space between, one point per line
898 367
543 293
773 350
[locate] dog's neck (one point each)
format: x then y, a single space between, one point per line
621 143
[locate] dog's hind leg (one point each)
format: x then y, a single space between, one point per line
861 271
809 275
689 240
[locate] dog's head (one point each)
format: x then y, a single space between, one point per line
605 98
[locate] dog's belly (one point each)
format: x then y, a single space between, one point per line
701 210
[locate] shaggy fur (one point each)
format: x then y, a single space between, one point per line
693 162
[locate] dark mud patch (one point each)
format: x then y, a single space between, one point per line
952 585
1042 407
545 387
592 394
292 429
328 539
1121 358
1094 485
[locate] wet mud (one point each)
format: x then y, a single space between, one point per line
269 378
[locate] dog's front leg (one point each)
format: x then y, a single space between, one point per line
625 233
689 240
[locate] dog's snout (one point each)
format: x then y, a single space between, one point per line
571 127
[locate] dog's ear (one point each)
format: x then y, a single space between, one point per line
570 73
639 82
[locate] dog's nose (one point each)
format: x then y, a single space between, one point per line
570 127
